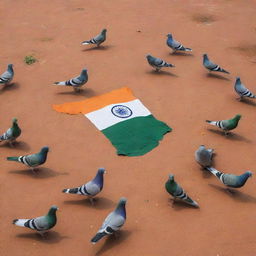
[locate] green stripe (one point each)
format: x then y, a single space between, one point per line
136 136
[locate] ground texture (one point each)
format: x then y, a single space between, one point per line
183 97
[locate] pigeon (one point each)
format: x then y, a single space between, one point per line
76 82
113 222
212 66
157 63
242 91
12 133
7 76
175 45
230 180
174 189
33 160
226 125
204 156
91 188
40 224
98 40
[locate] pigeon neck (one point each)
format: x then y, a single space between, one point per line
120 209
99 179
170 186
51 217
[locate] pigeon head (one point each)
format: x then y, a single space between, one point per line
249 173
101 170
169 35
148 56
14 120
238 79
104 31
238 117
202 146
122 201
205 56
53 210
84 71
10 67
171 177
44 149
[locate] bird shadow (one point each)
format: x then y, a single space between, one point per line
100 48
187 54
16 145
98 203
161 73
9 87
83 92
230 135
39 173
248 102
235 194
112 241
51 237
217 76
180 205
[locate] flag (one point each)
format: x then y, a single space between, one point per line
123 119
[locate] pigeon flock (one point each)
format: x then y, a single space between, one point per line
116 219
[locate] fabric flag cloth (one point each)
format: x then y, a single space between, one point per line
123 119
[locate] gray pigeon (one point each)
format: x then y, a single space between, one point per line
7 76
230 180
33 160
98 40
174 189
114 221
91 188
12 133
157 63
175 45
40 224
212 66
242 91
76 82
204 156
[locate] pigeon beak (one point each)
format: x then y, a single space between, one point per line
105 172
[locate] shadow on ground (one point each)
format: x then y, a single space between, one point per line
112 241
100 48
217 76
22 145
235 194
84 92
51 237
230 136
9 87
99 202
39 173
161 73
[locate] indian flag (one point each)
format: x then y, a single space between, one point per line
123 119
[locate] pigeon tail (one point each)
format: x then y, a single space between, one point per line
19 222
213 171
211 122
98 236
59 83
191 202
188 49
13 158
86 42
224 71
70 190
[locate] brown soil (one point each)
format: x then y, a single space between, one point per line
183 97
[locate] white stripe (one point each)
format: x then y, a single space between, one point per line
104 117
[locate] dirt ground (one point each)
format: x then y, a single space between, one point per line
183 97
